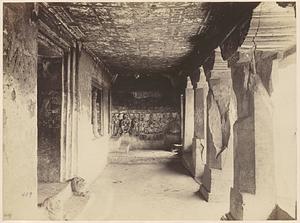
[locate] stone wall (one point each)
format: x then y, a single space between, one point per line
19 112
20 116
92 150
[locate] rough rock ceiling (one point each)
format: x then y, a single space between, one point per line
138 37
142 37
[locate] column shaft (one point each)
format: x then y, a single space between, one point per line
218 173
188 117
200 139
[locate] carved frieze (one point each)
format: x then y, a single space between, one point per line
146 125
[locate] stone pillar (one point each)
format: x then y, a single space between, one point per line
218 173
188 116
181 117
253 194
68 151
74 95
200 114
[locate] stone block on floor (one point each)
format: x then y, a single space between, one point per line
52 197
59 201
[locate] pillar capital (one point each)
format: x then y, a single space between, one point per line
272 31
216 67
271 28
202 80
269 21
189 84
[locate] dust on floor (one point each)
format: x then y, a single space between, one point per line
163 191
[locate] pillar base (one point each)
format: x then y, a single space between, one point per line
245 206
194 160
215 185
187 161
227 217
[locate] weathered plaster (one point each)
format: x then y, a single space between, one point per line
20 112
92 151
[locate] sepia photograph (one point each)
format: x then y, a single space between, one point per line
149 110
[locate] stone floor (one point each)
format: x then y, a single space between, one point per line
160 191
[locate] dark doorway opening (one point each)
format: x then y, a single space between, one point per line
49 96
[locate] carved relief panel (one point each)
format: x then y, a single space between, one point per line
146 125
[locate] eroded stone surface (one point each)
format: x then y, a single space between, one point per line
219 99
165 37
253 164
214 141
141 36
19 112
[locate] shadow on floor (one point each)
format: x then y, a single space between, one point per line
199 195
280 214
177 167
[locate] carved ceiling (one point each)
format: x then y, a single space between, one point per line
143 38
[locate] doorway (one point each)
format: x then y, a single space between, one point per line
49 95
